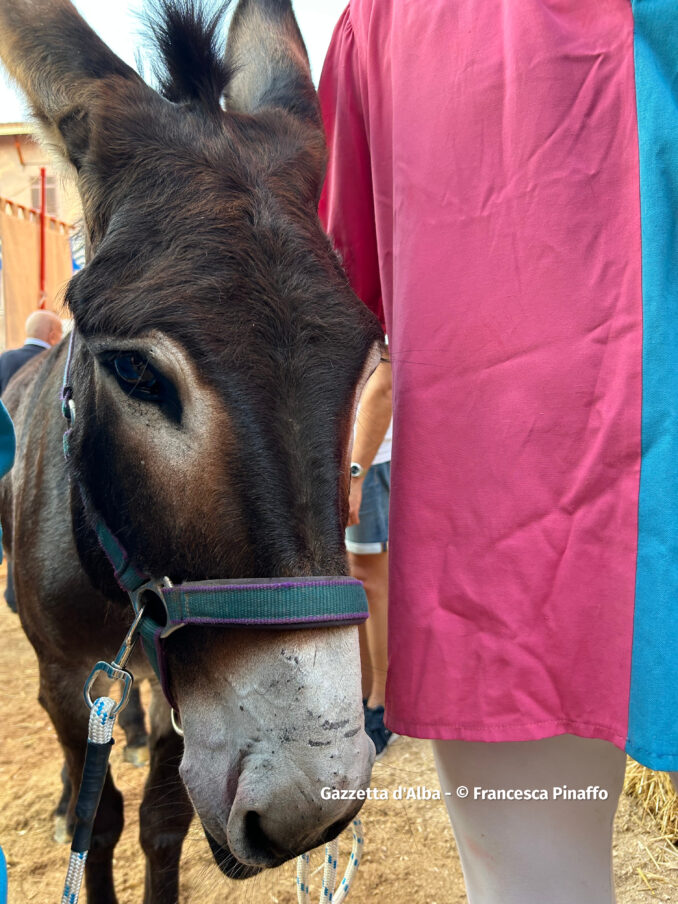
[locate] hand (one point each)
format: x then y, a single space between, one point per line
355 497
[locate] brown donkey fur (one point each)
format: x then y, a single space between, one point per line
218 359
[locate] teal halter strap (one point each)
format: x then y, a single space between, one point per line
278 603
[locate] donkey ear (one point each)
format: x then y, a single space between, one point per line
61 65
269 61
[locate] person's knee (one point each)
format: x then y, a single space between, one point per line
566 757
357 567
371 569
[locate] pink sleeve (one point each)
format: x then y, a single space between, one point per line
346 205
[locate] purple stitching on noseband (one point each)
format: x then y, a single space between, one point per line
211 588
281 620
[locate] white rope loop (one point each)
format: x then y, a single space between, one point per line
101 723
302 877
354 860
101 720
330 871
327 892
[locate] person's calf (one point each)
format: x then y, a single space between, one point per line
521 851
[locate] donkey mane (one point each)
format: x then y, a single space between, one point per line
191 67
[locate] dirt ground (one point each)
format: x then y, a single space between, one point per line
410 856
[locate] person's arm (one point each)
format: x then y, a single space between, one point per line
347 212
346 206
374 417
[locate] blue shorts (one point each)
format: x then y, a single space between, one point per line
370 535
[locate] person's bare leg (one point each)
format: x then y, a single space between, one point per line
674 779
372 570
533 851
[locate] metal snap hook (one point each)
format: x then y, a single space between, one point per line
116 670
115 674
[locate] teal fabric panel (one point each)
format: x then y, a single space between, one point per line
7 447
7 441
653 703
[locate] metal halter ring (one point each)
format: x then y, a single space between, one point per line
176 722
154 587
68 407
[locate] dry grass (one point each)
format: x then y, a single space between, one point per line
657 796
657 818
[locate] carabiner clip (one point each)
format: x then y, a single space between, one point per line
115 674
116 670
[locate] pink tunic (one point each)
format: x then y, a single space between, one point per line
483 191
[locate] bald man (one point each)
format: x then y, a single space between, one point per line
43 330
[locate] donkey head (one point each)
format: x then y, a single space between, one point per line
219 360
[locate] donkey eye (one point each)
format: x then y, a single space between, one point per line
139 379
136 376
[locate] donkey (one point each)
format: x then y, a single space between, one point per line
218 354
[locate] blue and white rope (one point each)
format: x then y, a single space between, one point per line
76 870
101 722
328 895
330 871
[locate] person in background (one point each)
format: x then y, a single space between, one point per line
43 330
367 541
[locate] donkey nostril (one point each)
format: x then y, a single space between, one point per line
258 839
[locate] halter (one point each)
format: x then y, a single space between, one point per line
280 603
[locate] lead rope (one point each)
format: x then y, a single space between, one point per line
102 715
327 892
103 712
99 742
